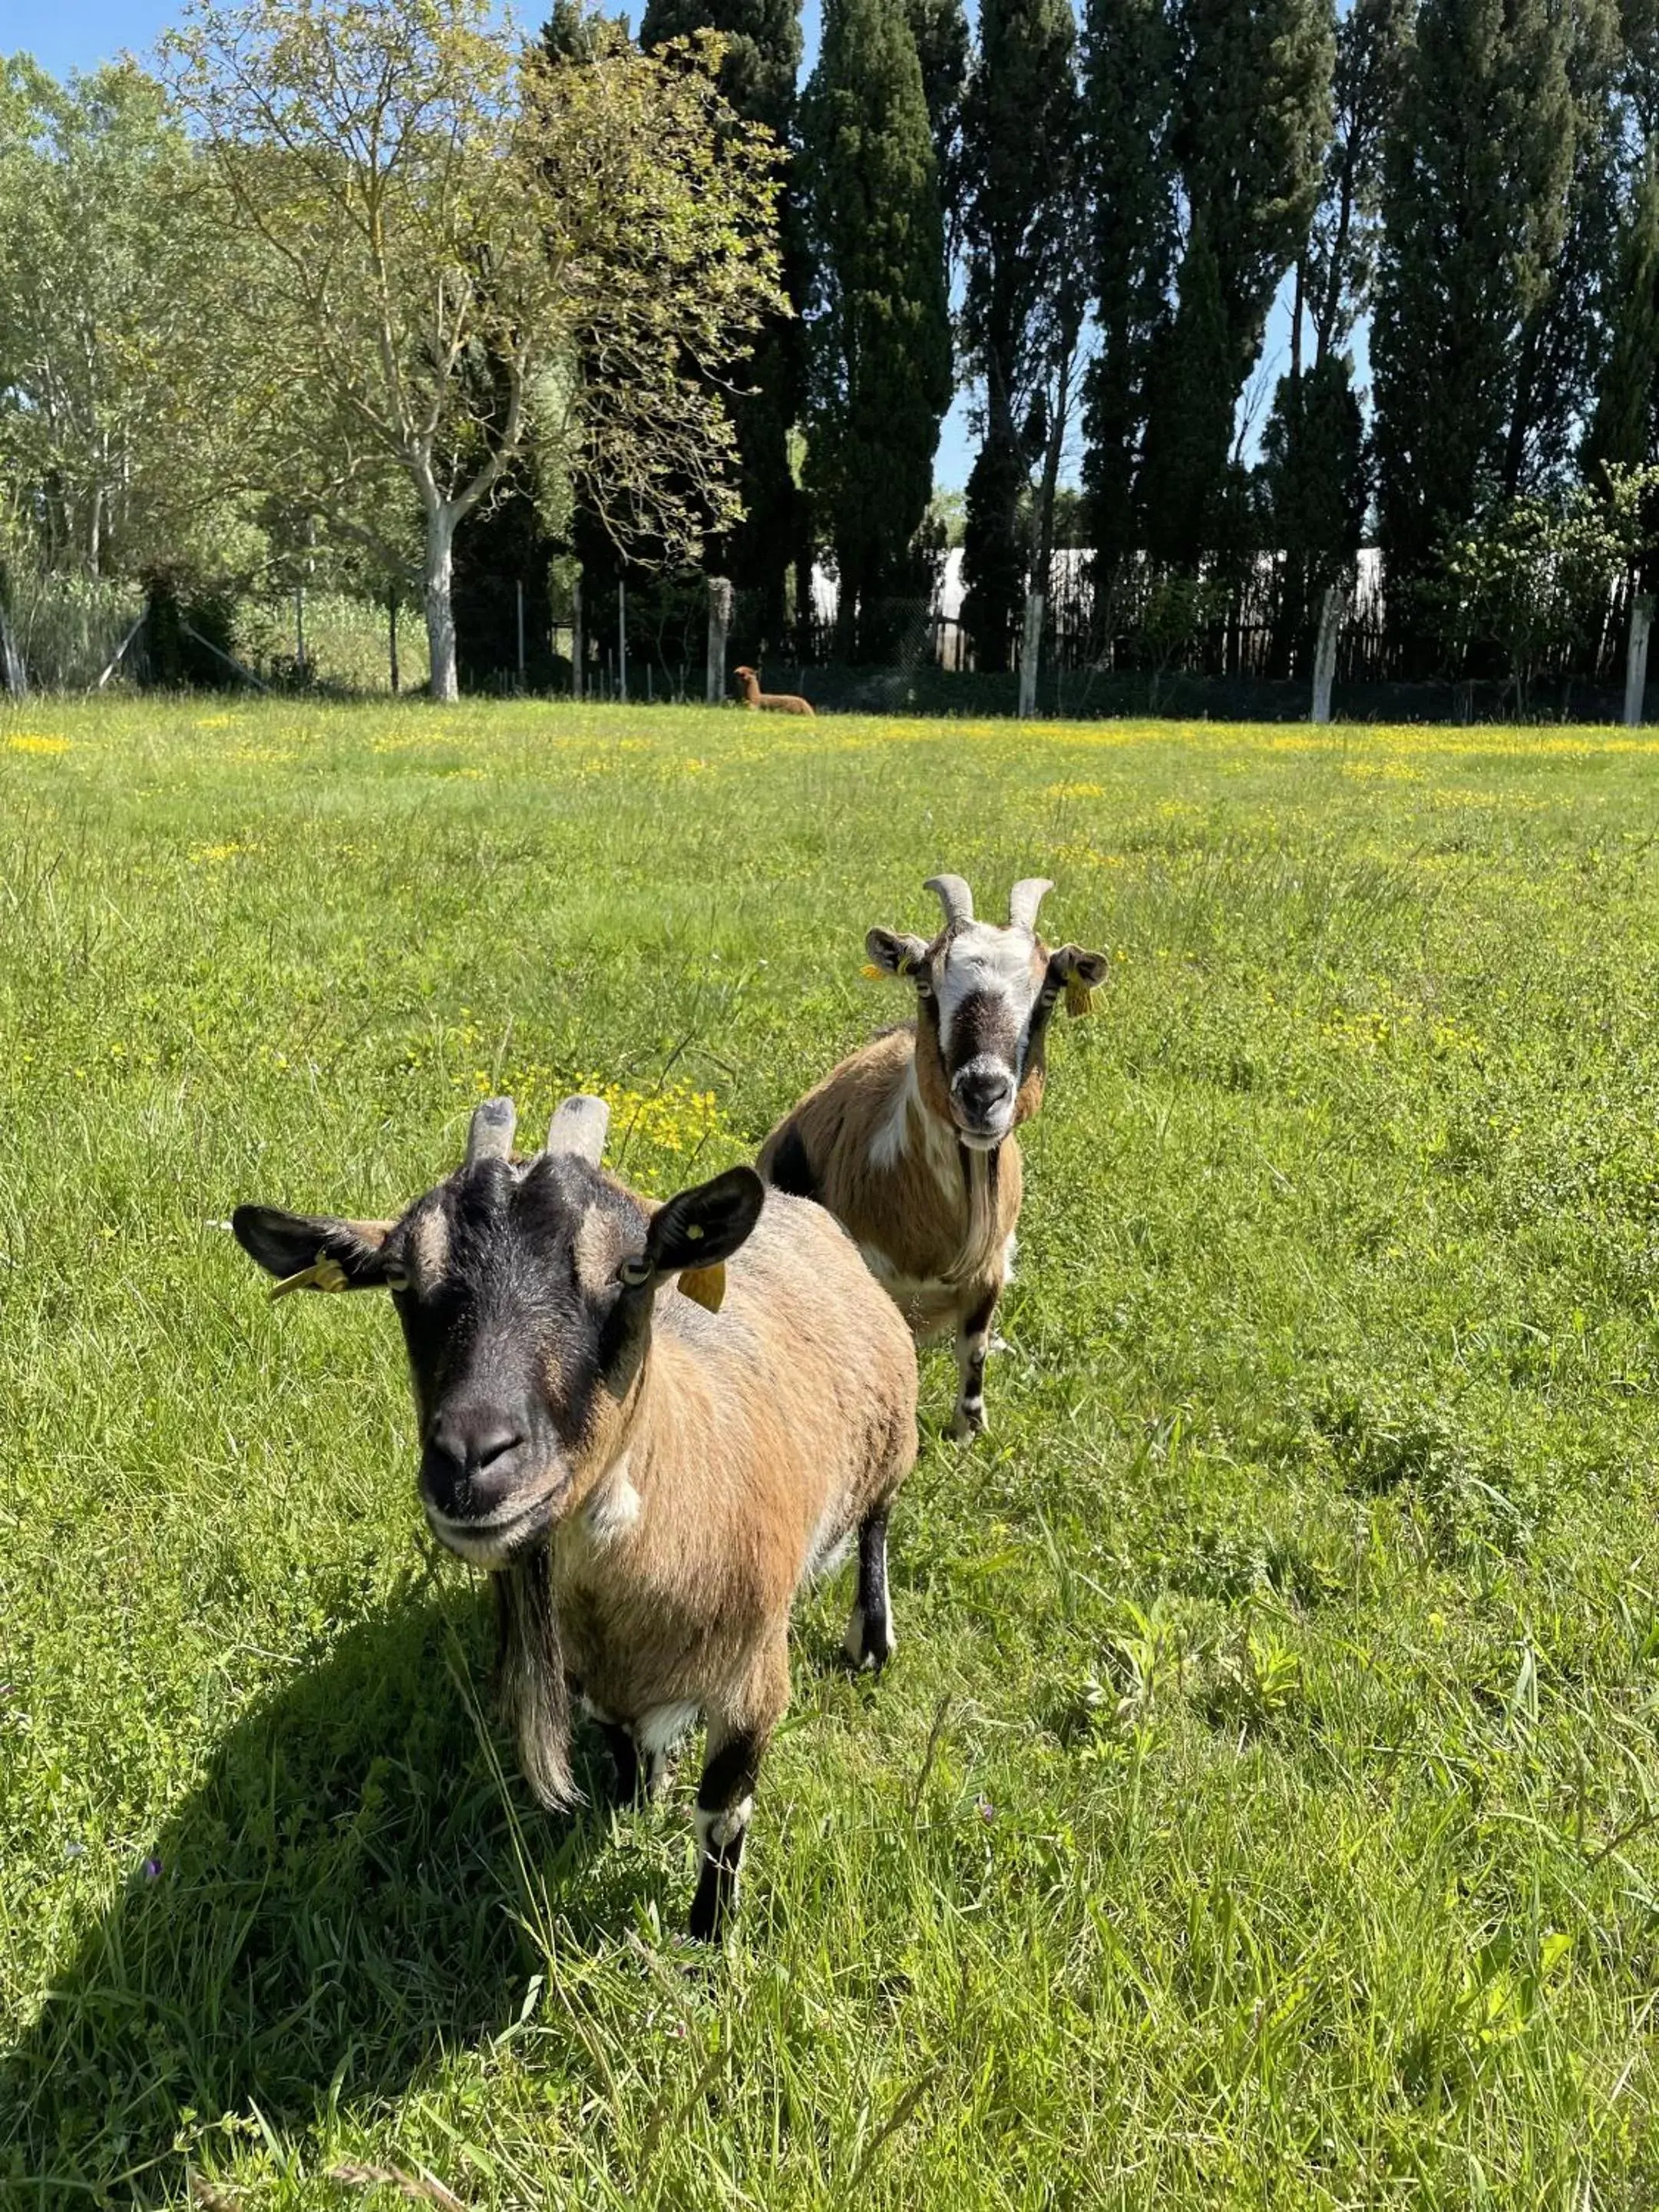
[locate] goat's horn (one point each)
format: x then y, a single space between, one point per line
1023 901
579 1127
490 1137
954 896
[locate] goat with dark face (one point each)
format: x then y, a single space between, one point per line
910 1141
649 1481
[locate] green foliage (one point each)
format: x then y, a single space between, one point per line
1313 477
1260 1809
760 50
1021 214
1128 62
1622 429
760 61
117 444
880 332
1478 170
1221 110
940 29
1372 39
464 257
1535 576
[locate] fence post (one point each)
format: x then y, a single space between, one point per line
622 641
299 629
1030 647
521 588
719 620
576 639
1636 658
1330 622
391 638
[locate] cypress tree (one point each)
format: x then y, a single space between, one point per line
940 29
1252 110
879 337
757 76
1129 89
1020 120
1221 107
1313 473
1478 166
1622 428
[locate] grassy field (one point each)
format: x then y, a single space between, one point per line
1263 1806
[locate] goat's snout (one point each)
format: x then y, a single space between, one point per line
983 1095
473 1467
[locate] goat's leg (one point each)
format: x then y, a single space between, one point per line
870 1641
973 1342
726 1795
625 1758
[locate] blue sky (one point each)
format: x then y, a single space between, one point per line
78 34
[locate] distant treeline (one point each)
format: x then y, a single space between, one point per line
1086 224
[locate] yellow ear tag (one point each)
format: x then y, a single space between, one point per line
1079 997
706 1286
870 970
323 1274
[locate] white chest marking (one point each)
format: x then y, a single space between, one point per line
614 1506
659 1730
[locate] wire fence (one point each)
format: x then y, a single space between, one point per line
1239 649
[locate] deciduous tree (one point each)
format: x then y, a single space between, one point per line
461 255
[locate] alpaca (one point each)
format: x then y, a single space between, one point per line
774 702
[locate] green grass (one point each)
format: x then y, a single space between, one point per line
1262 1807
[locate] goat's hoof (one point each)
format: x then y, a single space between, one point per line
966 1424
868 1645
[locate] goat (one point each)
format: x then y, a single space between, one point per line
774 702
648 1482
909 1142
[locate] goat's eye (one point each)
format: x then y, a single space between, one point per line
635 1270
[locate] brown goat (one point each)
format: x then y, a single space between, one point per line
909 1142
774 702
649 1480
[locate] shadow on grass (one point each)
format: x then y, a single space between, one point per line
336 1904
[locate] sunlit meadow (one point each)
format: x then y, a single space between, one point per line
1262 1807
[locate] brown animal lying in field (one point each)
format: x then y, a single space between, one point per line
774 702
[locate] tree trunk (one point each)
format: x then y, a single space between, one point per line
438 586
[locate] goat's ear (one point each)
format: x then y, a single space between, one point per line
313 1251
705 1225
895 954
1081 973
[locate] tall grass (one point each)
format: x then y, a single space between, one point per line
1261 1809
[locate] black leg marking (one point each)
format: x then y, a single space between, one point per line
625 1758
973 1340
725 1798
870 1641
791 1170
